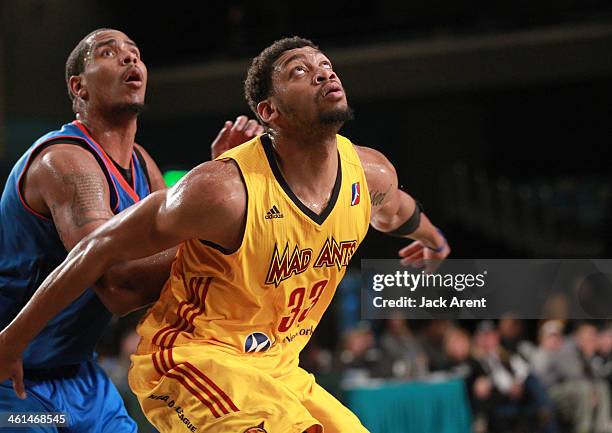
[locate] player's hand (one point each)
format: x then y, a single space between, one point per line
11 367
417 255
235 133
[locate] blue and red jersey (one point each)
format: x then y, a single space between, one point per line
30 248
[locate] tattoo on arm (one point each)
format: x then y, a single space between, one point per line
88 203
377 198
60 232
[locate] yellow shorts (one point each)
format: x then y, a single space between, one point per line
200 388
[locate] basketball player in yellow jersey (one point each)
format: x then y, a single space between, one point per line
266 233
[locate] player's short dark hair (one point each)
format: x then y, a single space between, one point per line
75 64
258 83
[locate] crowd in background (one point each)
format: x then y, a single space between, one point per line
557 382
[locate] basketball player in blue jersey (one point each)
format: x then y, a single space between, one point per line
69 182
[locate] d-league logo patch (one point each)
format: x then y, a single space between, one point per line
257 342
274 213
257 429
355 194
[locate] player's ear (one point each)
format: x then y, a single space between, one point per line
75 84
267 110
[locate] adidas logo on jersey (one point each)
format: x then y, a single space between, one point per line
274 213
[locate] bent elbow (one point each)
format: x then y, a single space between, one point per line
382 225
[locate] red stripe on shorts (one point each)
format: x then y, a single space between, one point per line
213 385
156 364
187 386
196 382
195 393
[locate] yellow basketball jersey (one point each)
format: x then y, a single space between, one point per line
269 295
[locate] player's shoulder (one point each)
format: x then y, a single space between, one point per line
143 151
217 184
370 155
64 159
56 172
145 154
221 173
140 148
153 171
373 160
365 154
378 170
347 150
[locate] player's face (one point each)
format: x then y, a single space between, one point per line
307 89
115 76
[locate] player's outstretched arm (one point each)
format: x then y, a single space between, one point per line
396 213
209 203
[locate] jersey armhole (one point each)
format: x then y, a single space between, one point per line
220 248
143 166
113 198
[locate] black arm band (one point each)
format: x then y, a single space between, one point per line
411 224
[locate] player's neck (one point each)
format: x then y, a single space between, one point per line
307 163
116 136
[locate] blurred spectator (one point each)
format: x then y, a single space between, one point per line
316 359
518 400
431 339
511 331
602 362
457 348
460 362
402 350
565 368
543 359
359 358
